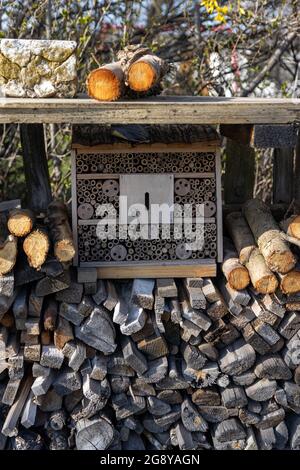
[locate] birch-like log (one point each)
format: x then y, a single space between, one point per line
268 236
262 278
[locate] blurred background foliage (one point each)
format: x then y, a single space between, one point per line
231 48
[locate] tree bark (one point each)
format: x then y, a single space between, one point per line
241 235
262 278
273 247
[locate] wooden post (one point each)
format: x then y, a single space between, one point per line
35 167
283 175
239 173
297 177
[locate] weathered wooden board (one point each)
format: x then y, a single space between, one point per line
160 110
203 268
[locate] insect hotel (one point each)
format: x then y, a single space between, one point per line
174 167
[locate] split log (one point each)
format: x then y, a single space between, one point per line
7 284
268 236
36 246
61 232
8 247
237 358
10 424
20 222
49 285
290 282
241 235
106 83
291 226
50 315
63 333
262 278
236 274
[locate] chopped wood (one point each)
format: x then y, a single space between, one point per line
268 236
290 282
72 294
229 430
237 358
133 357
20 222
36 246
236 274
166 288
60 230
52 357
241 235
8 253
111 296
291 226
154 347
62 333
98 331
255 340
10 424
7 282
100 295
49 285
50 315
106 83
142 293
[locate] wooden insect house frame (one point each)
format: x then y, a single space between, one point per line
175 166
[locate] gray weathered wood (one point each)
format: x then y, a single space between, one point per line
240 172
204 110
283 166
35 167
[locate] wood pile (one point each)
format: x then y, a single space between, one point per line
137 72
145 364
149 364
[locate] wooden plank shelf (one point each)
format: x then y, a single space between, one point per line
157 110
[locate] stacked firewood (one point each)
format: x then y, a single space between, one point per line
262 254
137 72
35 236
149 364
145 364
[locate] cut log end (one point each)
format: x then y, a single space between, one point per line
239 278
141 76
20 222
281 262
295 227
104 85
64 250
266 285
36 247
290 282
8 255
